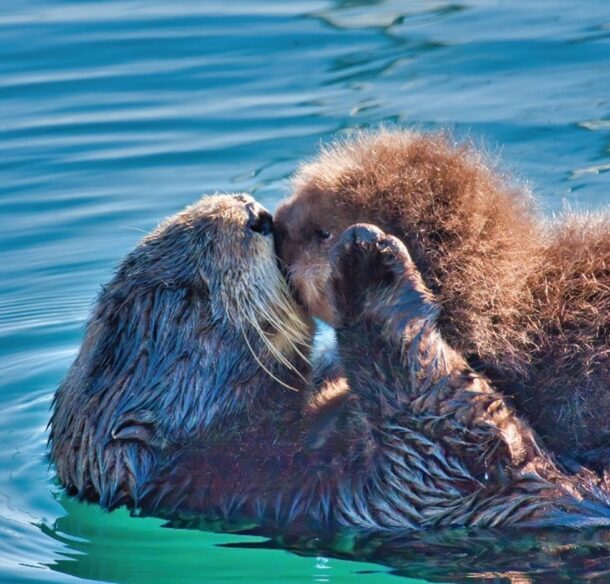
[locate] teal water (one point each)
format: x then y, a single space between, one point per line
116 113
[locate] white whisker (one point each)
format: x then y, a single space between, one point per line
263 367
261 304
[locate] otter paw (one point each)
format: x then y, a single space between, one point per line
366 260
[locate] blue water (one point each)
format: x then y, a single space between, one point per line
114 114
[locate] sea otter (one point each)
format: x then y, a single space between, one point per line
526 301
195 340
180 402
420 440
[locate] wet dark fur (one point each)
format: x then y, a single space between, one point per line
526 301
418 442
167 411
164 369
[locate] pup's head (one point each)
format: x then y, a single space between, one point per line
473 237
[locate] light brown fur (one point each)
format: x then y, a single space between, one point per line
525 301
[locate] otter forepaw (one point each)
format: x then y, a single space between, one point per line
366 260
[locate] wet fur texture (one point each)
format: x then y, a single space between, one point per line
440 445
524 299
176 407
173 358
418 442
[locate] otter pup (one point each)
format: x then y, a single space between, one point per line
196 340
526 302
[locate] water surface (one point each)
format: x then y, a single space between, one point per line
115 114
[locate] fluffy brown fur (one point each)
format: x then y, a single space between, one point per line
571 363
526 302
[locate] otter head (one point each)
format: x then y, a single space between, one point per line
211 246
197 322
473 237
221 248
196 332
224 245
389 179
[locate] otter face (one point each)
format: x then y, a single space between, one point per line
211 243
223 246
229 246
307 226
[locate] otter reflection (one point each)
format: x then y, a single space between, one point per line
97 548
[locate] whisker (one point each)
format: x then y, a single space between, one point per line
266 308
293 338
132 228
263 367
272 348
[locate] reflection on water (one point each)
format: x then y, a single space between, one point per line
466 556
95 549
116 114
118 548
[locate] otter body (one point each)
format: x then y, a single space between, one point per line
181 404
195 343
526 302
419 441
437 445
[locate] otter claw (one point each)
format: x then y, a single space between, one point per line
379 249
364 235
391 245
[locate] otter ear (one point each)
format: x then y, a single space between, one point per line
136 425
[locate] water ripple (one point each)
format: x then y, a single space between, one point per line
115 114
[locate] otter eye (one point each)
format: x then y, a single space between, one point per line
323 234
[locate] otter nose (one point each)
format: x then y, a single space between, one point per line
259 220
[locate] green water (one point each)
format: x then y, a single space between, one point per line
115 114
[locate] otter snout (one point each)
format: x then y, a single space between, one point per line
259 219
